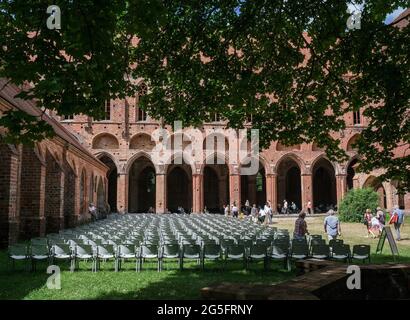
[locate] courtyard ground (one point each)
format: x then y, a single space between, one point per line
172 283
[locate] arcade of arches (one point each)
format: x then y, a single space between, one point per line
212 186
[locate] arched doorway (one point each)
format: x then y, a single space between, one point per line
351 172
375 184
216 187
142 188
112 176
289 183
179 187
324 186
253 187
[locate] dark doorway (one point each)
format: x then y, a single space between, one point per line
324 186
289 184
253 188
216 187
142 187
112 176
179 188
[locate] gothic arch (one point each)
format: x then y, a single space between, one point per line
105 141
142 141
351 141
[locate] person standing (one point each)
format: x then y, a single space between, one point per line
234 210
309 207
381 216
398 219
247 209
226 210
254 213
261 215
268 213
285 207
300 227
332 225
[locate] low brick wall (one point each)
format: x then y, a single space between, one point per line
387 281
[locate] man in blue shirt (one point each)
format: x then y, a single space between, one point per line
400 219
332 225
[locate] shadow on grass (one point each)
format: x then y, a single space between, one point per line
171 283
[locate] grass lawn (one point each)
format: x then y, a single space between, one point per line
171 283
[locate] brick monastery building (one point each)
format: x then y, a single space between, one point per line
49 186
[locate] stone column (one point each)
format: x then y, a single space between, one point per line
271 194
197 193
307 190
122 192
235 189
341 187
160 193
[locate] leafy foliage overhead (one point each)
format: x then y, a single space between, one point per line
294 66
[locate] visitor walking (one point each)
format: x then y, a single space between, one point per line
397 219
332 225
367 221
376 227
300 227
268 213
262 214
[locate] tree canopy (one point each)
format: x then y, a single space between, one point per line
293 66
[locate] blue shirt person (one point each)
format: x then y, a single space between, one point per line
332 225
400 219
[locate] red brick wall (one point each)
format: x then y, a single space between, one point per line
8 195
54 196
32 195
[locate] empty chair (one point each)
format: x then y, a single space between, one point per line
266 242
18 252
335 242
211 251
85 252
341 252
320 251
299 241
257 252
235 252
62 251
280 251
191 252
148 251
226 242
316 242
361 252
39 252
299 250
39 241
169 251
104 253
315 236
